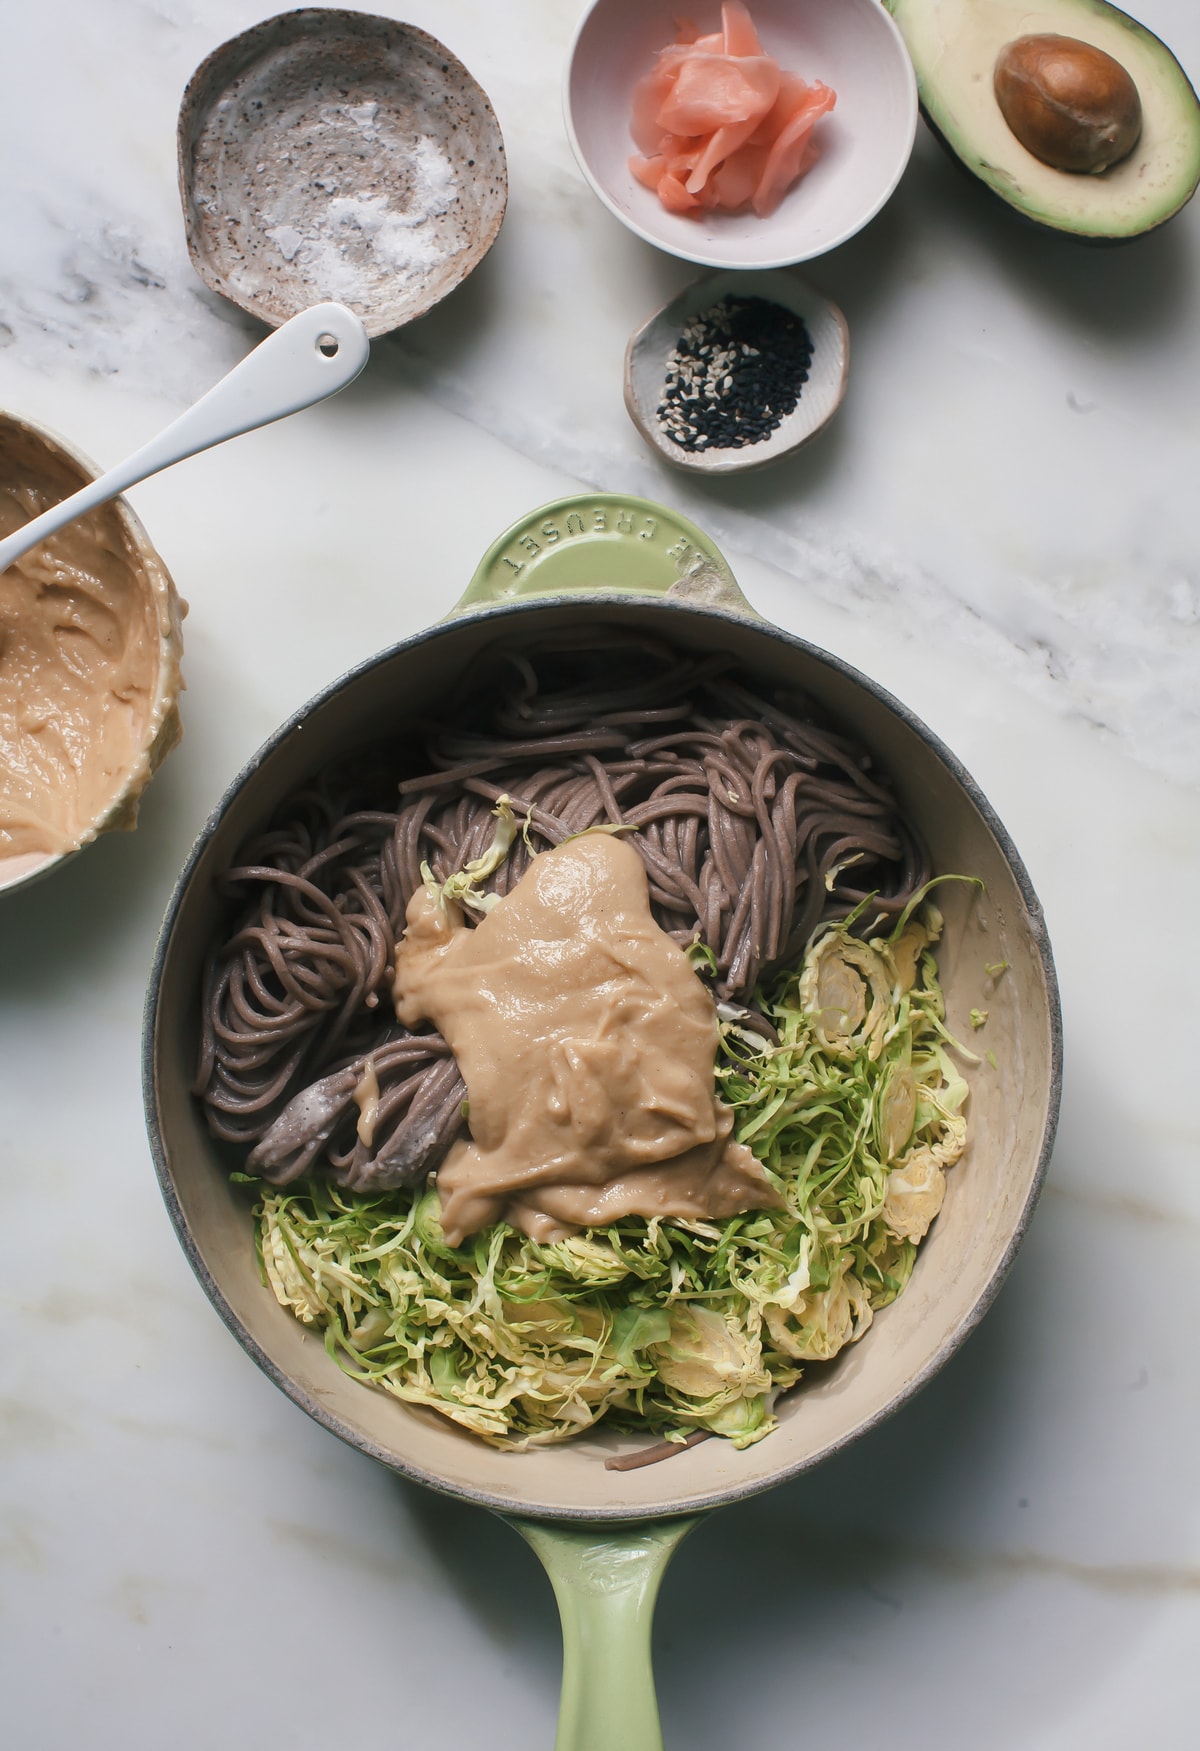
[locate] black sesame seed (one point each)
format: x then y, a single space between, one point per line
734 375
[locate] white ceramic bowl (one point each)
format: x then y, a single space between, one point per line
851 45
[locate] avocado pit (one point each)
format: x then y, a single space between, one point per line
1070 104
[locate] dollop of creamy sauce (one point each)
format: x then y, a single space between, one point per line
587 1045
79 665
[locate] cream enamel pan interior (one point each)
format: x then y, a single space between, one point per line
1013 1105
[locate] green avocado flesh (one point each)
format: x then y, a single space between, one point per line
954 45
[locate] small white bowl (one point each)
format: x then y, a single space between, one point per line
851 45
650 347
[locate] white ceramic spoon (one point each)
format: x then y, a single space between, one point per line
311 357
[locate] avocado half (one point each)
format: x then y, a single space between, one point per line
954 45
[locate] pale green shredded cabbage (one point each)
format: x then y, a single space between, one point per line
668 1325
464 888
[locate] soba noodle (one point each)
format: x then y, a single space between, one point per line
754 820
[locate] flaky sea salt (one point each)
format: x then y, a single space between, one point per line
347 242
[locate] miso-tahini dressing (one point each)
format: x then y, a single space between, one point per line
79 671
587 1045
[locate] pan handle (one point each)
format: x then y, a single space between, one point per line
604 543
606 1580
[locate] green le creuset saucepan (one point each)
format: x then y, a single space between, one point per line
605 1536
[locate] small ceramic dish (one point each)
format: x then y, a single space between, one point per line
865 143
335 155
650 349
90 645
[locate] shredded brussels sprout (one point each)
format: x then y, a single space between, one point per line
670 1326
463 888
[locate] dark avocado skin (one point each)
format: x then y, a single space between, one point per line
1067 26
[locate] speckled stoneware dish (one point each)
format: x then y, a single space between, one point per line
865 143
604 558
335 155
650 348
30 452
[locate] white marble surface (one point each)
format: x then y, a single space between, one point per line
1001 526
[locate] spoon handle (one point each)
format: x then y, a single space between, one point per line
309 358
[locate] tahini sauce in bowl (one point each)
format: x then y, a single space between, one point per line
90 645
